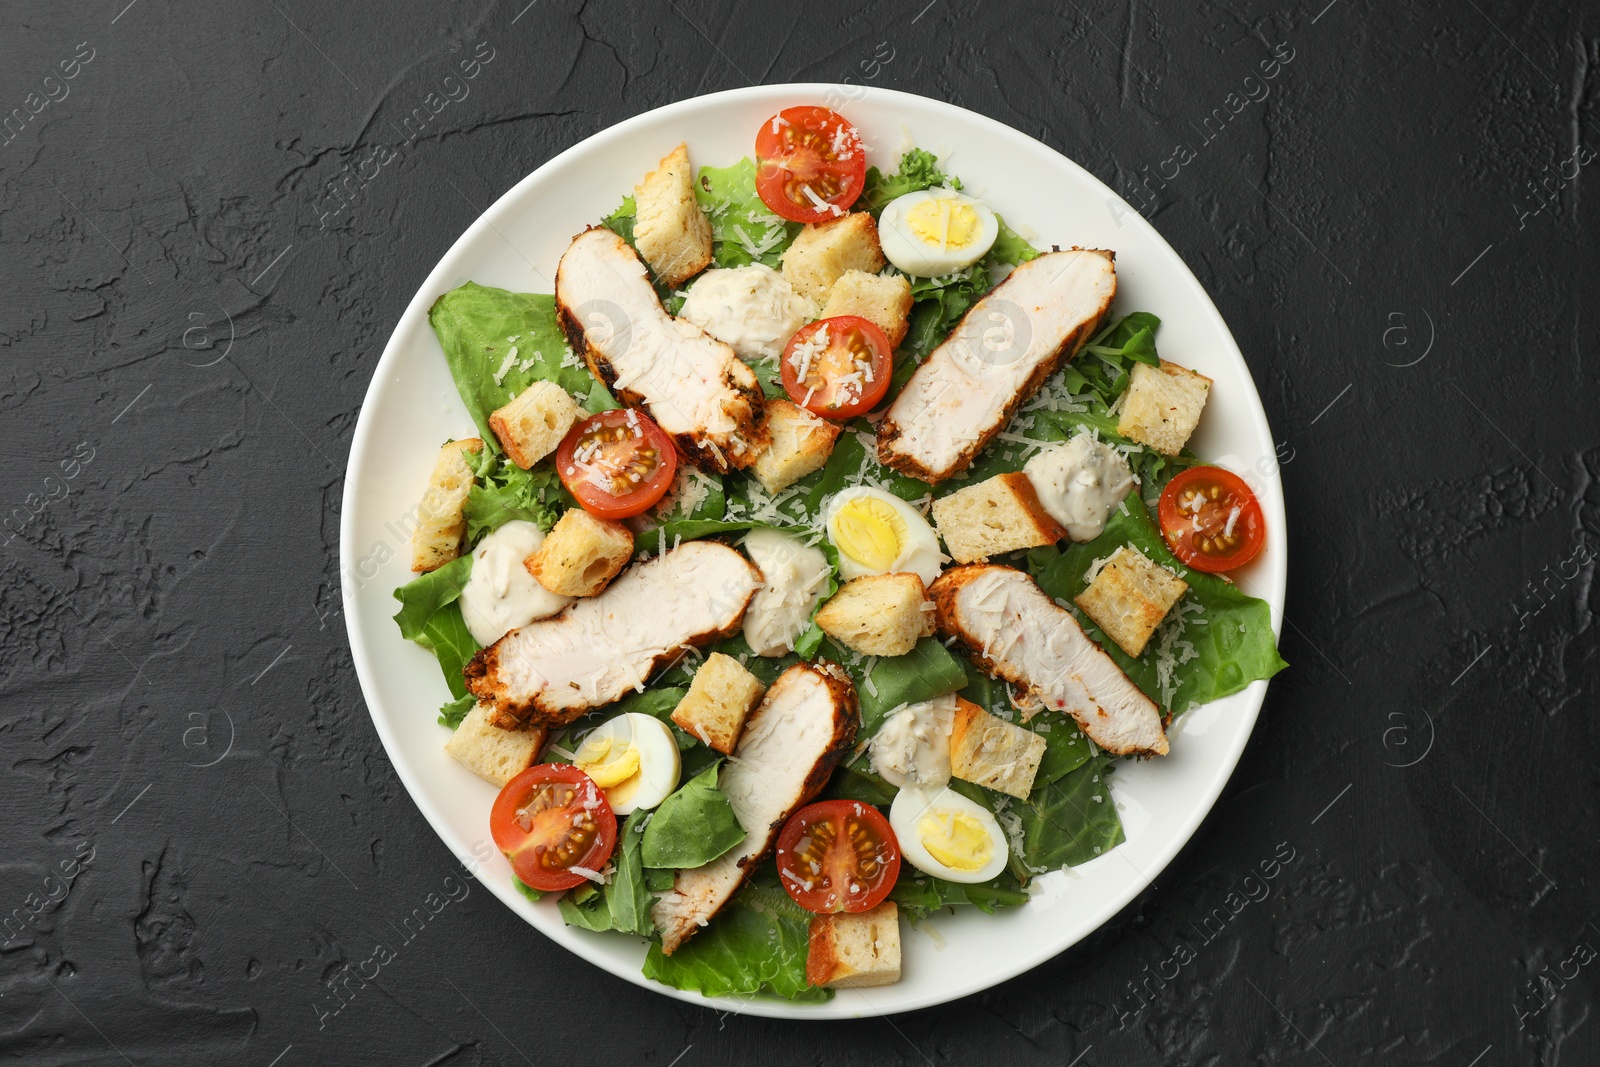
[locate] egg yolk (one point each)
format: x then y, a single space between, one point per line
946 223
607 763
955 839
869 532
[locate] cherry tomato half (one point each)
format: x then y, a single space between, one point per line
1211 520
617 463
837 368
810 164
838 855
548 820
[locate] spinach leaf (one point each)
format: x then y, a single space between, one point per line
508 492
756 945
919 895
854 780
927 671
693 826
1216 641
478 327
1065 822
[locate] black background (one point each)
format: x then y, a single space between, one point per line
1398 235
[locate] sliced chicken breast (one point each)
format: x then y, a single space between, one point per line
692 384
598 648
1006 345
790 745
1016 632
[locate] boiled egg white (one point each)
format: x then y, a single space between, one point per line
936 231
633 758
878 533
948 836
794 577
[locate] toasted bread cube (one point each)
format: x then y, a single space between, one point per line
879 615
670 231
581 554
824 251
852 949
884 302
1129 598
720 696
440 525
1002 514
800 443
493 754
533 424
1163 406
988 751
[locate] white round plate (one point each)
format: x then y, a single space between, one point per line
412 406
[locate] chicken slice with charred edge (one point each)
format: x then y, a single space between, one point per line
693 385
1004 348
790 745
1017 633
599 648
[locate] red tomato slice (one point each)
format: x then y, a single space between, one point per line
548 820
810 164
840 373
1211 520
838 855
617 463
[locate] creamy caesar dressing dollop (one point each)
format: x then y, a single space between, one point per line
501 596
1079 482
911 750
795 576
753 309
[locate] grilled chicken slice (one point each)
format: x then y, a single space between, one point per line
790 745
1007 344
1016 632
694 386
598 648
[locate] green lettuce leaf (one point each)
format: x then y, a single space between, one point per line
927 671
508 492
1065 822
919 170
454 711
1218 637
430 615
527 890
425 594
477 327
693 826
1066 749
623 903
756 945
743 229
919 895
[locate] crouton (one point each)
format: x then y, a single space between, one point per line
533 424
493 754
440 525
884 302
879 615
1002 514
1129 598
720 696
851 949
988 751
581 555
824 251
800 443
1162 407
669 230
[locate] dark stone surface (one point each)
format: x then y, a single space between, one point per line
1369 231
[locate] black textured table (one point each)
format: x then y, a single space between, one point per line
212 217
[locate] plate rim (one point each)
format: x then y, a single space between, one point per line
417 308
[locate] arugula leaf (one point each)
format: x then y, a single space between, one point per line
927 671
425 594
693 826
508 492
1068 821
756 945
1230 634
919 896
478 326
743 229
